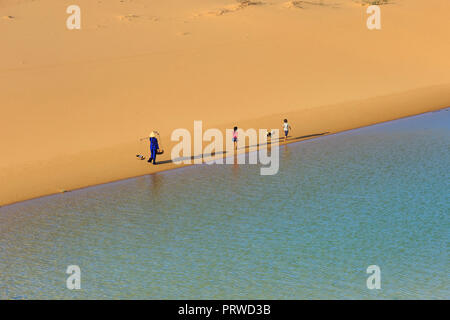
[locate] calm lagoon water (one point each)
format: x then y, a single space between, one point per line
377 195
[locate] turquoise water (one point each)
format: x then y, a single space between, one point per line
372 196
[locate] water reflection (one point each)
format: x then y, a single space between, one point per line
156 182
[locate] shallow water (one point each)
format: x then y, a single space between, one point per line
372 196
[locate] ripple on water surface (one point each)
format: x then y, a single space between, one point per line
377 195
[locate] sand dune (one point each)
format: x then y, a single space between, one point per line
242 4
74 103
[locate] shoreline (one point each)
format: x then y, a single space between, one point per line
166 167
75 102
334 196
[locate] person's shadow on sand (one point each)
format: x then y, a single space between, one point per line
212 154
199 156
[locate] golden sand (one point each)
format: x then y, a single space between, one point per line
74 103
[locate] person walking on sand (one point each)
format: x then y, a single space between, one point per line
235 137
153 147
286 128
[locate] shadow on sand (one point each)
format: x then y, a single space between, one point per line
223 153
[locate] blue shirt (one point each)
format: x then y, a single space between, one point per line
154 144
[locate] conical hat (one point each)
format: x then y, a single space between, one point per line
152 134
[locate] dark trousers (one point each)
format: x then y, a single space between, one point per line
153 155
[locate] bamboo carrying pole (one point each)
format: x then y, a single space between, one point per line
161 149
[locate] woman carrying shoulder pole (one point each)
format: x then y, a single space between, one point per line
153 147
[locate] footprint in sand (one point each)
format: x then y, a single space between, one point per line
135 17
242 4
305 4
372 2
128 17
293 4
